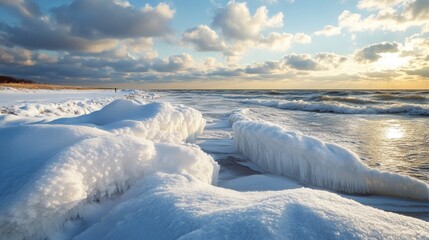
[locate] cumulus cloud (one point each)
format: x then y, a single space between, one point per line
83 25
17 56
99 19
240 31
236 22
277 41
390 15
25 8
204 39
329 30
301 38
173 63
301 62
422 72
267 67
330 60
39 35
372 52
379 4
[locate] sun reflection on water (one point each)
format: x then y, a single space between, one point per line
394 132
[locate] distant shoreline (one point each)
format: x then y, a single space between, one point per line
48 86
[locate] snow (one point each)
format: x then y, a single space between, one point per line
130 169
52 170
38 105
168 206
156 121
311 161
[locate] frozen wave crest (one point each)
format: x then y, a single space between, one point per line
312 161
156 121
330 107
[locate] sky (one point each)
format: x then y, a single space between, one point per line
270 44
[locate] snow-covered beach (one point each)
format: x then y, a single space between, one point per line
99 164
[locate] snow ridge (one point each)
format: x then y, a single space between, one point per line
311 161
156 121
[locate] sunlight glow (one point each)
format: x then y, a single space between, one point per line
390 61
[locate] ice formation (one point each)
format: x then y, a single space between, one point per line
311 161
156 121
51 171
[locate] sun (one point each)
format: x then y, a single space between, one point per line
390 61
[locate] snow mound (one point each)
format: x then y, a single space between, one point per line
156 121
399 108
311 161
64 108
51 171
166 206
91 170
25 148
32 103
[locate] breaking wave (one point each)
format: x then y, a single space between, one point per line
409 97
301 105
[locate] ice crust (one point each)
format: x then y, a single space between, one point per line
311 161
65 166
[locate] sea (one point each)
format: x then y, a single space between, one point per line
387 129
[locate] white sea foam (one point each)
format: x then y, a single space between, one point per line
332 107
311 161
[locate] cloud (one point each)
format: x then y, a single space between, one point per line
204 39
389 15
240 31
423 72
372 52
330 60
236 22
378 4
82 25
100 19
25 8
173 63
329 30
301 62
39 35
19 56
302 38
276 41
267 67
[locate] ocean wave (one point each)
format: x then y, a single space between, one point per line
300 105
353 100
408 97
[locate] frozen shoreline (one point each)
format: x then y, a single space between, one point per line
166 179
